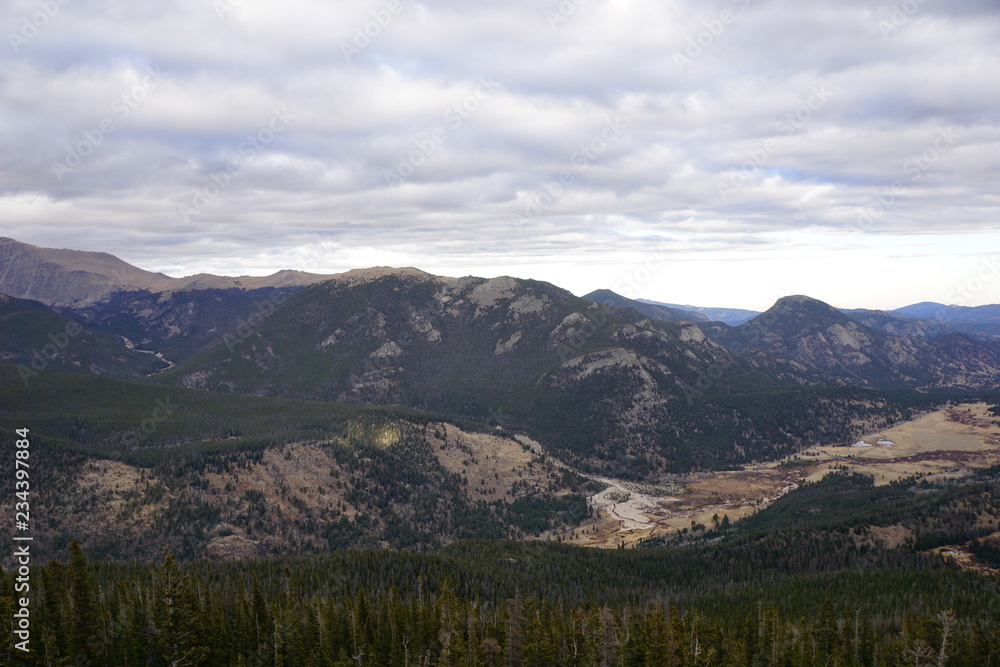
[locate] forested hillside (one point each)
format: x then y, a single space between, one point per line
135 470
790 587
604 388
185 324
36 339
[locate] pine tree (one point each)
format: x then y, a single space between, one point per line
53 601
84 641
177 618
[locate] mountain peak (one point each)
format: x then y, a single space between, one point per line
799 306
375 272
800 300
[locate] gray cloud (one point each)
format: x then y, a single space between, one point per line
422 133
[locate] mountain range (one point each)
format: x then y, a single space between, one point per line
611 384
604 384
923 320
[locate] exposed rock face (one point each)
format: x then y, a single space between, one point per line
504 346
232 547
588 364
833 344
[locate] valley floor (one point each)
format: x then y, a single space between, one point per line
950 442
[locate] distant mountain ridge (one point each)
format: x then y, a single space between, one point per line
630 388
606 387
942 313
78 278
731 316
899 325
651 310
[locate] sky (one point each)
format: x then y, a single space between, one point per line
720 153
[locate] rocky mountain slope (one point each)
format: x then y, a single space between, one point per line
980 322
184 324
833 344
898 325
605 388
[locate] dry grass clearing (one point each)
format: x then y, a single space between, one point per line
497 468
965 559
296 480
953 441
949 442
289 481
107 495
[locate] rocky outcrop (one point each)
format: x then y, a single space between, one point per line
840 348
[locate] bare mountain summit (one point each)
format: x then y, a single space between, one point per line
79 278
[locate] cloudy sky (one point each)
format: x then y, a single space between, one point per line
716 153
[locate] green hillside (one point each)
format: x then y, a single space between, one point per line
37 339
135 469
604 388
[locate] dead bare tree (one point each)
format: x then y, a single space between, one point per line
918 651
947 620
